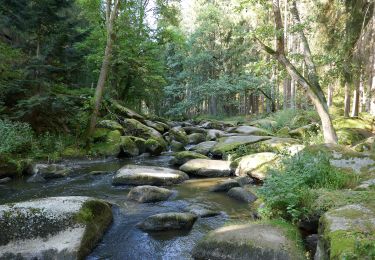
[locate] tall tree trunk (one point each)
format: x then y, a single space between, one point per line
347 100
330 95
110 16
355 109
312 83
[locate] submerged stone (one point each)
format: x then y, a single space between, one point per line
168 221
182 157
242 194
147 193
207 168
204 147
225 185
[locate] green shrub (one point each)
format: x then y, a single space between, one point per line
15 137
289 192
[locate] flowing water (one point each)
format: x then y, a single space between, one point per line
123 240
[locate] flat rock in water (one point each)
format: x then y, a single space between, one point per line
148 175
247 241
249 163
168 221
250 130
207 168
201 211
241 194
5 180
204 147
225 185
147 193
52 228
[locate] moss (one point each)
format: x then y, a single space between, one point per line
100 134
189 155
351 136
111 147
73 152
13 165
110 124
362 122
96 215
154 147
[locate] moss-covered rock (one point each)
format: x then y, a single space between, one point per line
351 136
204 147
182 157
214 134
133 127
283 132
154 147
50 171
264 123
251 165
305 131
226 185
178 134
367 145
196 138
73 152
65 227
126 112
366 123
242 194
228 144
128 147
148 175
160 127
207 168
261 241
110 124
194 129
147 193
11 166
177 146
168 221
344 158
347 232
251 130
110 147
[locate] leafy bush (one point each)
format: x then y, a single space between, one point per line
293 118
16 137
289 192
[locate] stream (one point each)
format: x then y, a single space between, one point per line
123 240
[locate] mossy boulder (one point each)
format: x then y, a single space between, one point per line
305 131
251 165
133 127
214 134
204 147
194 129
147 193
264 123
214 124
100 134
11 166
178 134
160 127
228 144
177 146
182 157
347 232
202 211
110 124
128 147
344 158
351 136
73 152
367 145
196 138
148 175
207 168
110 147
366 123
168 221
62 227
251 130
262 241
50 171
154 147
283 132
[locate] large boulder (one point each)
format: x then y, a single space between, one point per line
214 134
168 221
305 131
148 175
250 130
347 233
367 145
154 147
52 228
160 127
50 171
242 195
261 241
352 136
111 146
177 146
109 124
207 168
228 144
264 123
202 211
147 193
194 129
196 138
249 164
10 166
128 147
182 157
204 147
135 128
178 134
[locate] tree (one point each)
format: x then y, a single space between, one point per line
111 14
311 83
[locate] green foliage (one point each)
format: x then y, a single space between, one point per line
16 137
289 192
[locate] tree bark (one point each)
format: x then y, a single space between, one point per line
355 109
330 95
311 84
347 100
110 16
